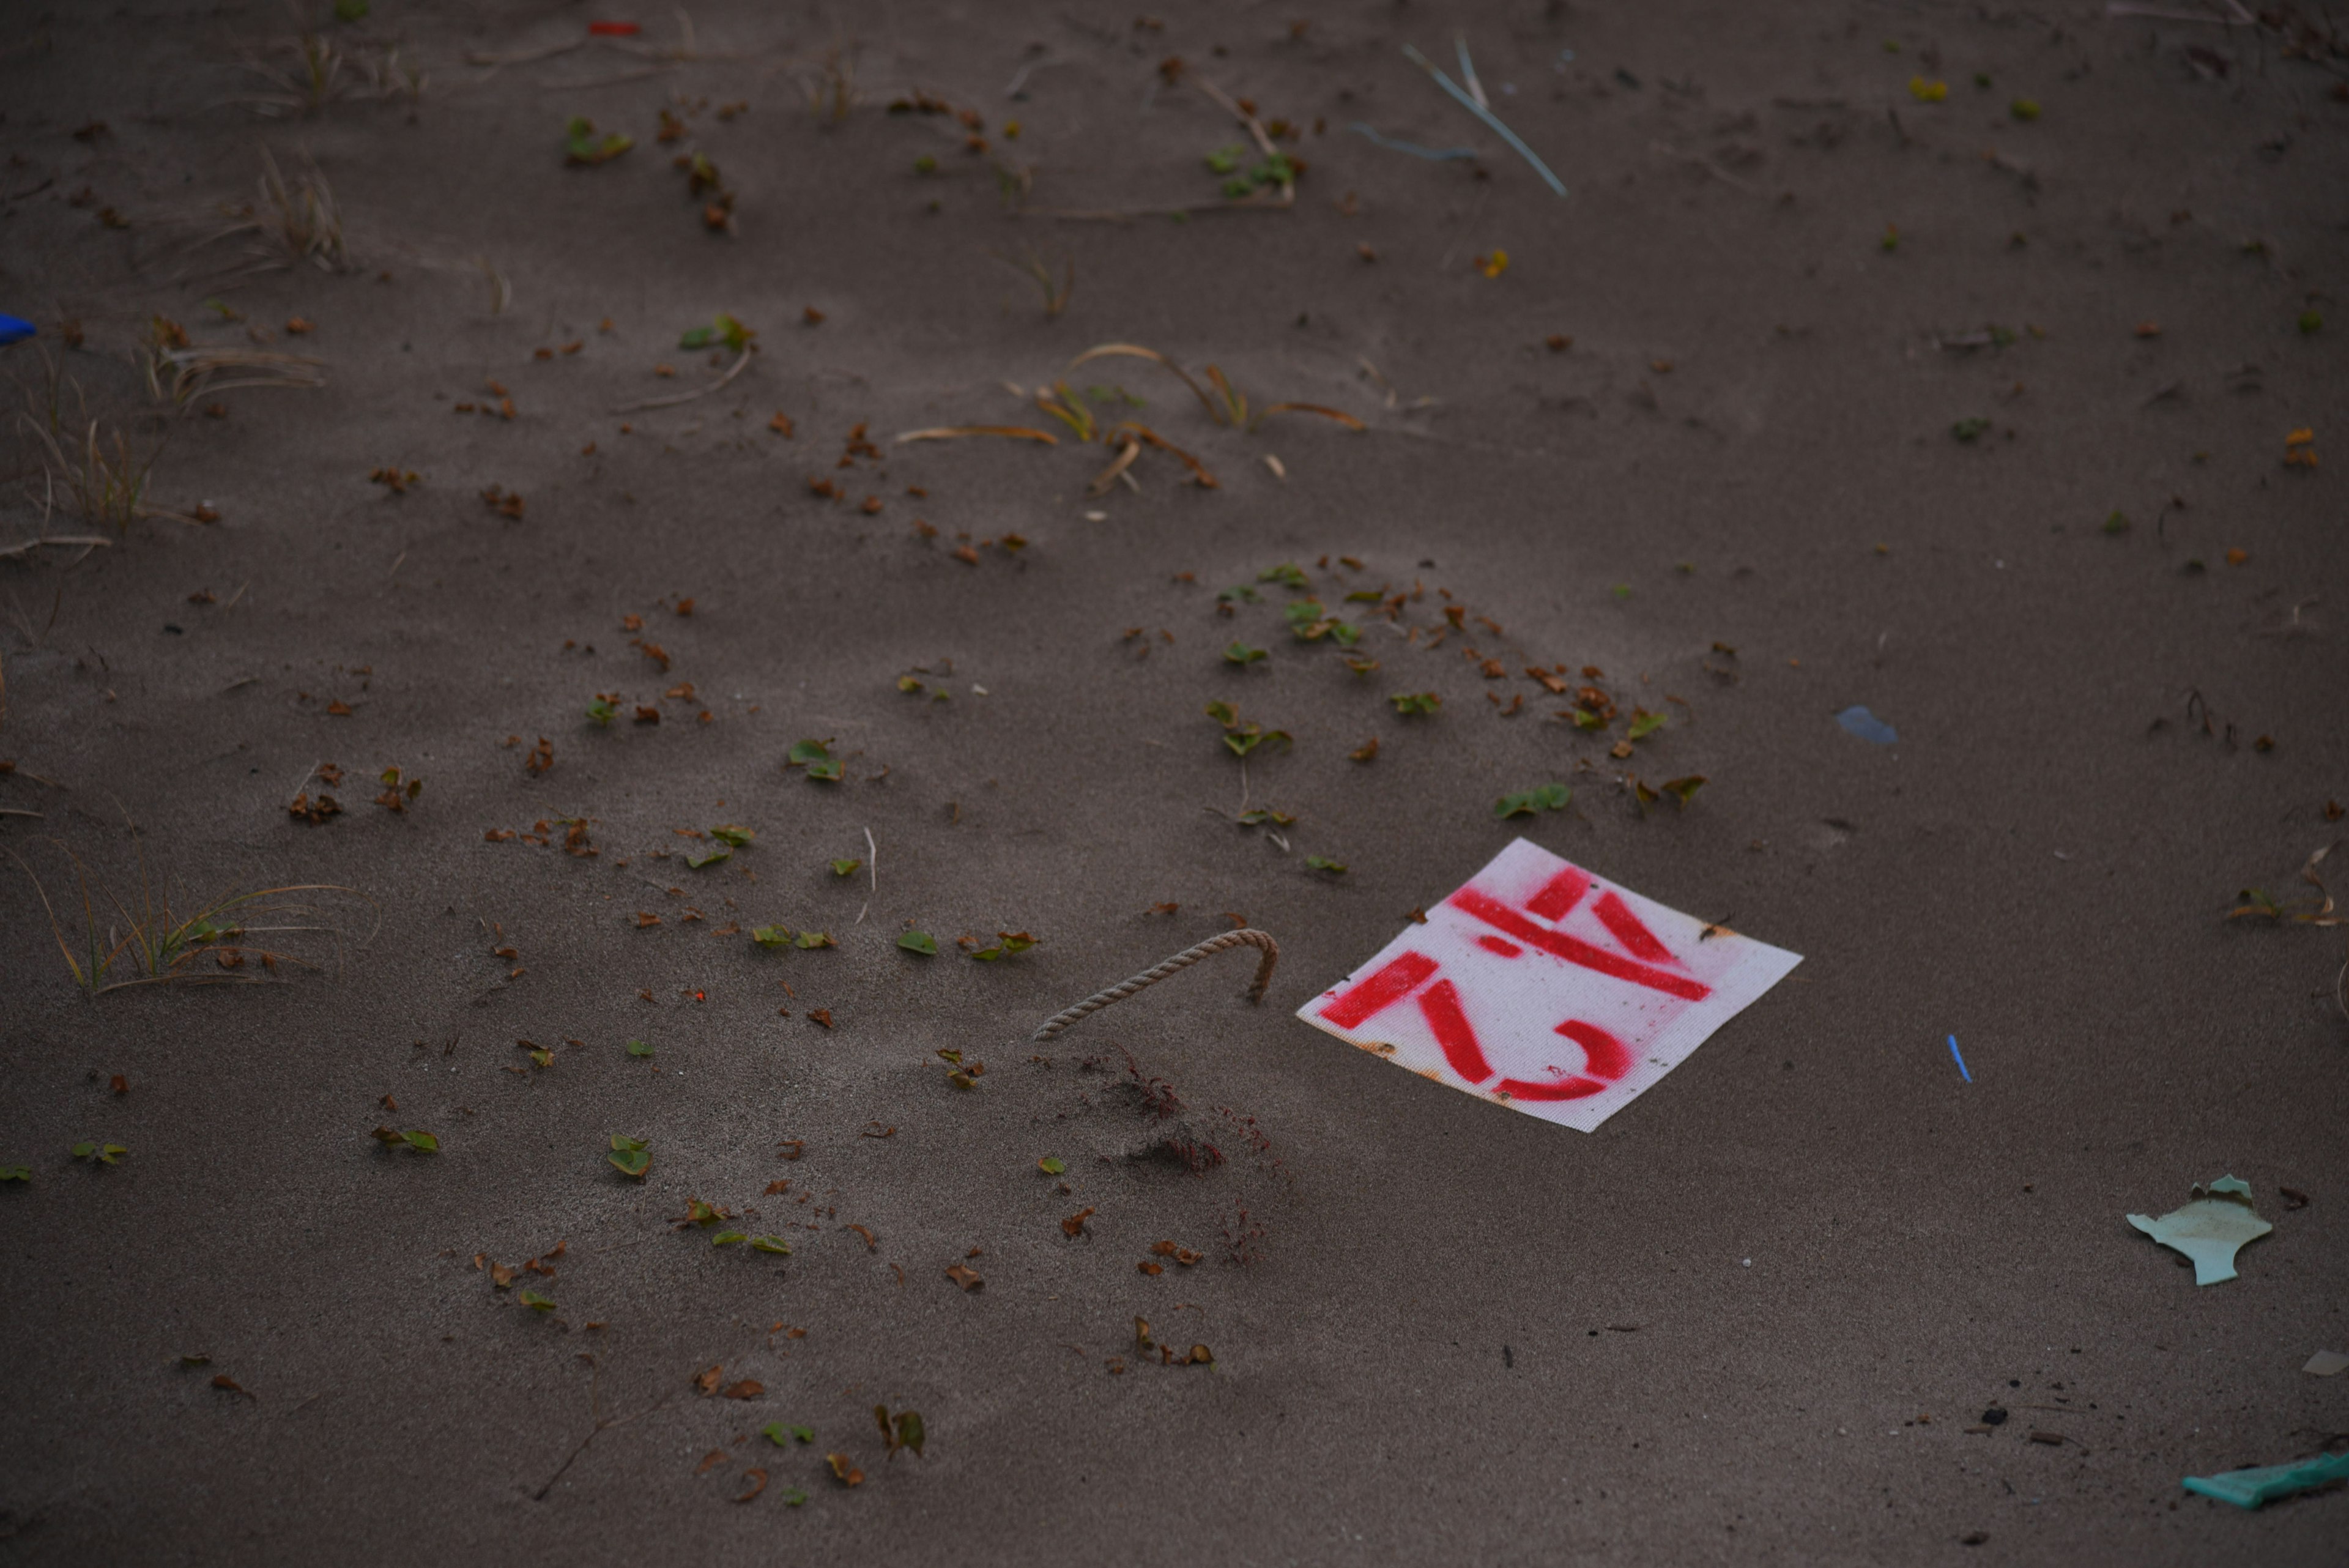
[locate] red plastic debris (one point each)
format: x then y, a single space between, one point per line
613 29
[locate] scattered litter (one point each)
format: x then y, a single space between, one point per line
1961 1061
1548 989
1394 144
16 329
2327 1364
2250 1488
1858 720
1475 106
2209 1230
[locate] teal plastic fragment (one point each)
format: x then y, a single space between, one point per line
2249 1488
2210 1229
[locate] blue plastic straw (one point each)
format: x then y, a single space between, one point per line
1961 1061
1481 112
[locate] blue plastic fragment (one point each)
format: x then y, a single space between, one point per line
1434 154
1961 1061
2250 1488
15 329
1858 720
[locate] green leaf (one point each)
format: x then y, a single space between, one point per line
1223 713
729 1238
639 1048
919 943
1970 429
811 940
84 1150
1344 634
602 710
710 857
103 1153
1361 666
1225 159
1365 597
627 1144
1051 1167
1238 592
845 867
2024 109
350 10
630 1156
1263 814
2118 522
794 1497
1644 723
1320 863
1585 719
1683 790
828 770
909 1431
1288 574
2311 322
806 752
1007 943
1416 701
772 936
733 835
15 1173
774 1244
805 1434
417 1138
535 1301
1241 653
776 1433
907 683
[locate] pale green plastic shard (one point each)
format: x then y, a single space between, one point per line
2210 1229
2249 1488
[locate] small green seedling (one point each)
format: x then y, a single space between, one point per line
817 758
904 1432
631 1156
807 940
1052 1166
724 331
2311 322
1263 814
771 937
1288 574
1322 863
582 145
535 1301
414 1139
845 867
15 1173
733 835
774 1244
1545 798
2024 109
1243 737
1970 430
1361 666
1644 723
919 943
102 1153
1408 702
604 710
1242 654
639 1048
729 1238
709 856
2118 522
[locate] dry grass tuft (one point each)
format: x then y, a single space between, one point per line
153 942
91 472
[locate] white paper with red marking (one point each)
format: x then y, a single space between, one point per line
1548 989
